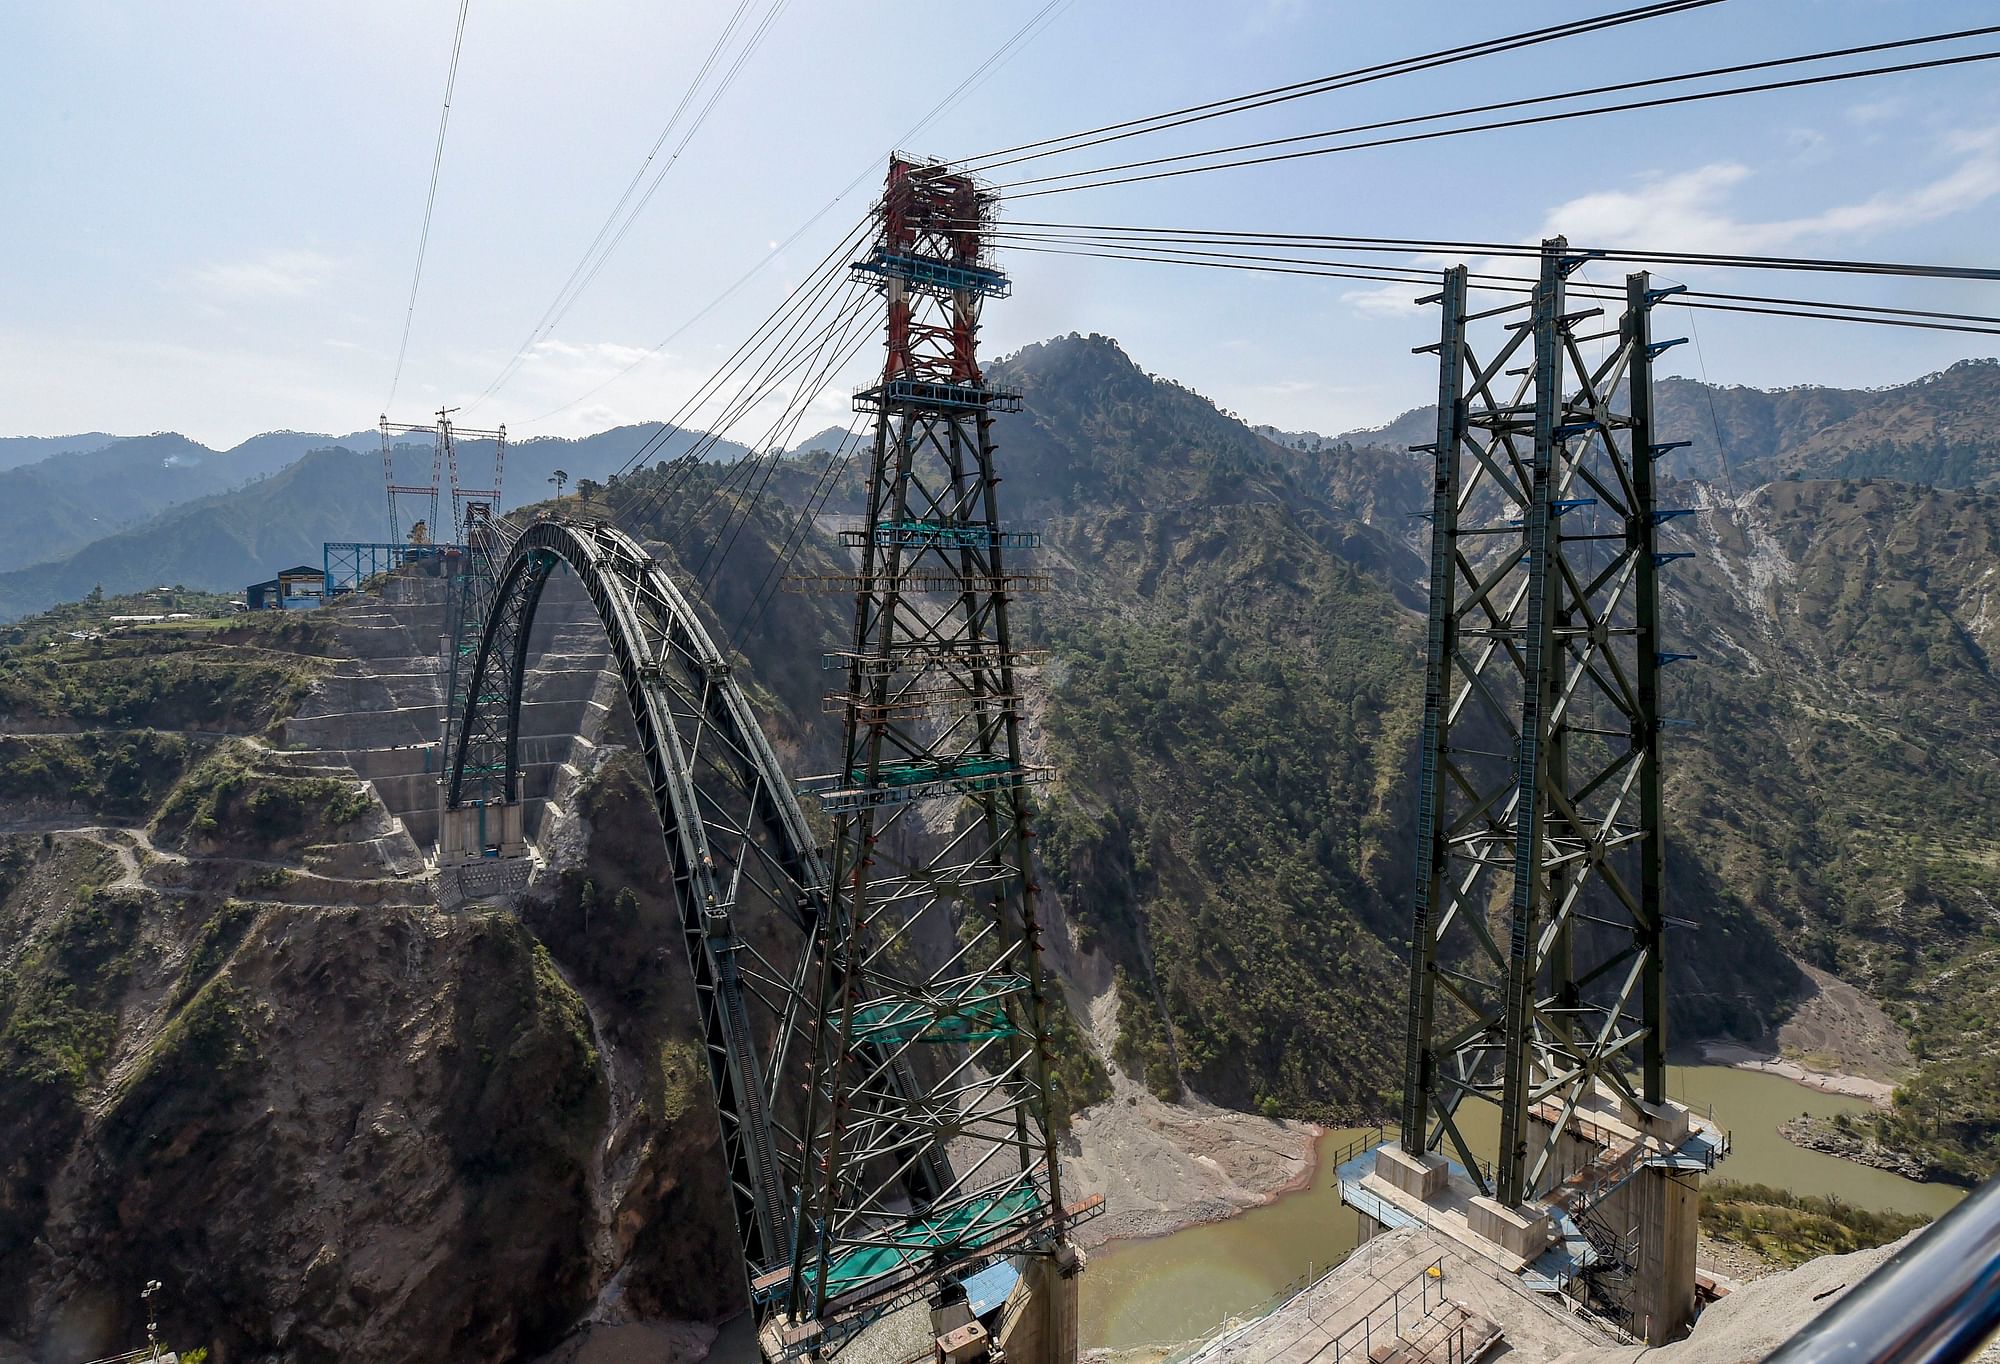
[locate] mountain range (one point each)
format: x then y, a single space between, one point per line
130 513
1942 429
1237 683
1234 595
345 1119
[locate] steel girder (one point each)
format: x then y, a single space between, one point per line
738 848
1537 966
934 948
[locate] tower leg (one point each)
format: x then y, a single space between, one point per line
1039 1325
1668 1221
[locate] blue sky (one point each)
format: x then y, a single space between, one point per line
211 210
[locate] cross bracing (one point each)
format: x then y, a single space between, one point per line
1537 968
874 1012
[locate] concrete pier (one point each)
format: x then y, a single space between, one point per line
1616 1233
1039 1324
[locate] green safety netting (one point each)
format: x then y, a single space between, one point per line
912 772
967 1011
963 1229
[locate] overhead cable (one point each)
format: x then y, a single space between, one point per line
1741 68
620 220
430 202
1146 236
1521 285
1015 192
1258 99
1037 22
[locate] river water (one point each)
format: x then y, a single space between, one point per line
1179 1287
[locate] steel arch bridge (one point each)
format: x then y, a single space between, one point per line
733 828
748 880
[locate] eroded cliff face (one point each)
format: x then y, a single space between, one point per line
243 1052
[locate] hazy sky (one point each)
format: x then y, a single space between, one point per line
209 212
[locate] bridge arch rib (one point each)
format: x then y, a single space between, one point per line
768 946
736 839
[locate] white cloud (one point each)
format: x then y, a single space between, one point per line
1389 300
587 355
1400 300
1690 210
278 273
217 394
1875 110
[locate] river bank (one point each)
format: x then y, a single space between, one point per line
1837 1040
1850 1142
1876 1092
1145 1295
1163 1168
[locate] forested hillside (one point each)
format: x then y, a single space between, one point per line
1231 697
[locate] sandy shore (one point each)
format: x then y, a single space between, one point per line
1162 1167
1876 1092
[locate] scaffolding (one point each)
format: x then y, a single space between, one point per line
349 564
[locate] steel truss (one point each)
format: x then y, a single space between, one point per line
467 609
466 501
933 950
1540 787
747 877
739 852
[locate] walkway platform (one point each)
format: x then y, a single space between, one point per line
1609 1151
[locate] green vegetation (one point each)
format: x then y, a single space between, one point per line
1942 430
57 1017
1849 785
678 1083
527 1089
1077 1079
93 615
122 774
111 725
1144 1048
222 542
227 796
133 683
562 1009
1202 820
1791 1228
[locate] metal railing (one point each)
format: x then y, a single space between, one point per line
1412 1306
1935 1301
1408 1306
1354 1146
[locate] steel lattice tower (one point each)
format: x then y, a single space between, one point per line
425 493
444 462
1537 967
928 1141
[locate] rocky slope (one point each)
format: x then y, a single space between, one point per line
1232 696
241 1050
